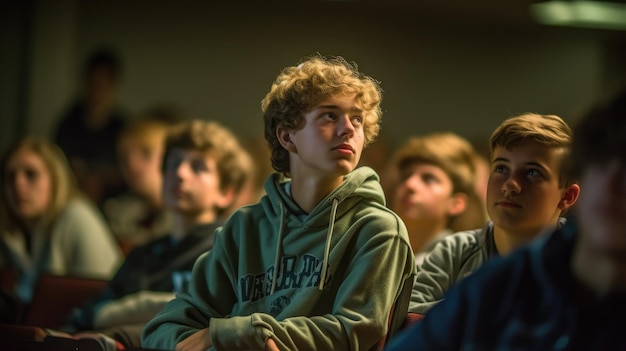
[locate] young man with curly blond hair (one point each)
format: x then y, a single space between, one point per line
318 263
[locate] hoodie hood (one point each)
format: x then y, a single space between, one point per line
361 184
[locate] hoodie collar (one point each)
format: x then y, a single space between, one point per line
361 183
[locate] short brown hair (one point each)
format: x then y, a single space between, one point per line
297 89
548 130
63 182
233 162
448 151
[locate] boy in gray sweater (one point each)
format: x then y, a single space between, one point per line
529 189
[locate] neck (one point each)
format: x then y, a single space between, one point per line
422 232
307 192
183 223
507 241
597 271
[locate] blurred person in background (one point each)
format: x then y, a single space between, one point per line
87 133
138 215
529 189
564 291
433 181
46 224
475 214
204 170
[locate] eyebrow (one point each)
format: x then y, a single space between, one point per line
535 164
335 107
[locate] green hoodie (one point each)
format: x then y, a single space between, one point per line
340 270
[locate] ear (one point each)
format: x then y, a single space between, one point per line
225 197
457 204
285 136
570 195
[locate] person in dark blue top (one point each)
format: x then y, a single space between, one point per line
564 291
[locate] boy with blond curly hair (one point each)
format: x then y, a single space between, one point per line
318 263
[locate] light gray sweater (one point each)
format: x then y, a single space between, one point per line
453 258
78 243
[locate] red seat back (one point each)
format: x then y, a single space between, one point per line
55 296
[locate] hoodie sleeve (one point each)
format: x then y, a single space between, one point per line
208 295
381 261
360 311
442 267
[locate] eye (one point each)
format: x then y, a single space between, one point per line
429 178
499 169
357 120
31 174
328 116
198 166
534 172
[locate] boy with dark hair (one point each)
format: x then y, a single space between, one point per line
204 169
434 181
319 261
528 190
565 291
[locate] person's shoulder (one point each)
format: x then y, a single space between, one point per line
123 205
79 206
504 271
253 209
244 216
377 217
80 217
463 240
82 212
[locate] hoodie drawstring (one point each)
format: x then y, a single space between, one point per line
281 231
329 236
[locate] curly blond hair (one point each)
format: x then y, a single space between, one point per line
297 90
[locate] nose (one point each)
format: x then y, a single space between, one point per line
133 162
412 183
345 126
19 181
511 185
182 170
